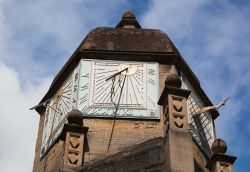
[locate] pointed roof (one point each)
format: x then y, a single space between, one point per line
128 39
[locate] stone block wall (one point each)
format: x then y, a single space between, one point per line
126 133
38 165
148 156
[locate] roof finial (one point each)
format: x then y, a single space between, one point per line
75 117
172 78
128 15
219 146
128 21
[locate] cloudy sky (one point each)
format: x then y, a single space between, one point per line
38 37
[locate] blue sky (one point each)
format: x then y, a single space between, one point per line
38 37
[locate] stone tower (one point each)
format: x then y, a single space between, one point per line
125 101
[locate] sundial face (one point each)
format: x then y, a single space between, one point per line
133 93
56 112
87 90
201 127
136 90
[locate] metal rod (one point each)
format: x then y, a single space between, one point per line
116 110
117 74
60 112
40 104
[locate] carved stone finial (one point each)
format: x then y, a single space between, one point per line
219 146
75 117
173 80
128 15
128 21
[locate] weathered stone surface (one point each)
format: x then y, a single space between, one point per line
54 158
199 158
147 156
126 133
73 153
37 163
221 163
180 157
179 142
73 136
123 39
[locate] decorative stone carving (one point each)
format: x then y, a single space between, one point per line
73 149
73 157
177 105
177 112
74 141
178 120
174 104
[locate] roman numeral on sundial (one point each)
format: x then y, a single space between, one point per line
151 81
76 76
151 71
75 88
83 99
84 87
86 75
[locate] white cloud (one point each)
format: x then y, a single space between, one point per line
47 31
18 125
173 16
36 39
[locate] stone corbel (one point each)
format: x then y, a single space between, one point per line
75 134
